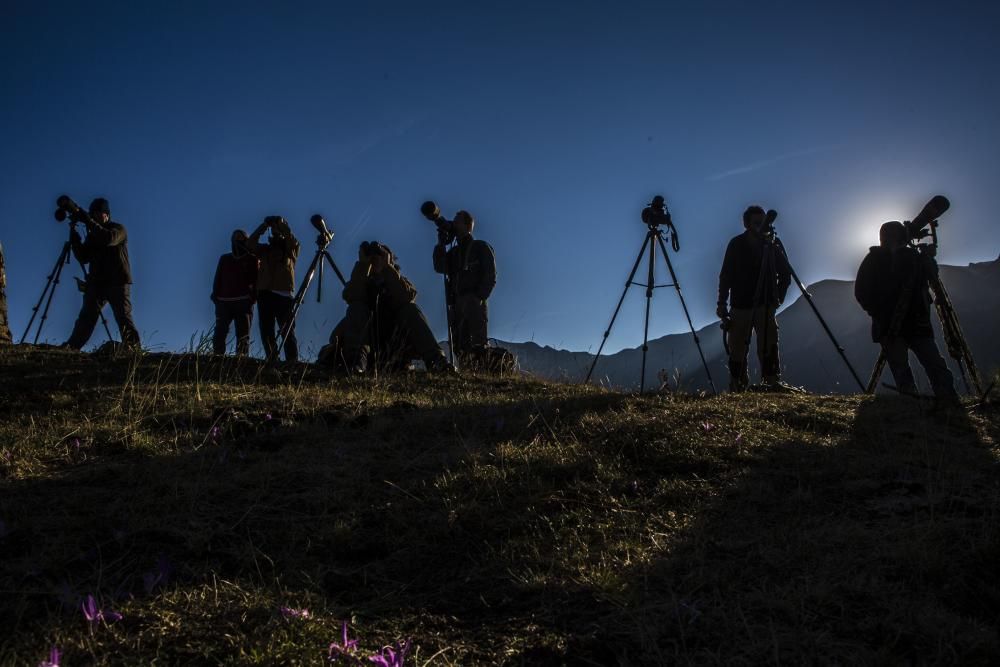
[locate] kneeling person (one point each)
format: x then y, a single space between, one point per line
383 323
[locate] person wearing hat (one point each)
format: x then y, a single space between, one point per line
234 292
472 274
750 292
109 280
892 287
276 285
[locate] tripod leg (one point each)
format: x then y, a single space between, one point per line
650 282
300 296
56 270
447 317
954 338
52 292
607 332
876 373
833 339
333 265
677 286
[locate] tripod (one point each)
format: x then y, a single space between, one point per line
50 290
316 266
654 237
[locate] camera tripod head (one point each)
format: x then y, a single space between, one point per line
656 215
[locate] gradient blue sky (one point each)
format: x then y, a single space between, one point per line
553 123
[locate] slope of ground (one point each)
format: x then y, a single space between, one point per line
490 521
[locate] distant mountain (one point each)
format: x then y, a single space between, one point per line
808 358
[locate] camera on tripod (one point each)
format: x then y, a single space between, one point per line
432 212
656 213
325 235
66 208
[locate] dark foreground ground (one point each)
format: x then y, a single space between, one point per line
490 521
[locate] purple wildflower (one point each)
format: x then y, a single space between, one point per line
95 614
344 650
707 427
288 612
215 432
739 439
54 656
392 656
268 417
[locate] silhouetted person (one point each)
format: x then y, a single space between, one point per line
892 287
382 319
752 285
5 336
234 291
276 285
109 279
472 274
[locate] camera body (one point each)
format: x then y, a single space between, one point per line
446 227
656 213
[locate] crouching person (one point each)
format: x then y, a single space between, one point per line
383 327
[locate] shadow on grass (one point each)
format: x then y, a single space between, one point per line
551 528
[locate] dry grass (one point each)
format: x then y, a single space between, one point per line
490 520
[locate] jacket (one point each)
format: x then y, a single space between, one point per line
883 277
105 250
277 260
470 266
741 272
389 288
235 278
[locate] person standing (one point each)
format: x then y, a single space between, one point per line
234 292
5 337
276 285
109 280
753 283
892 286
472 274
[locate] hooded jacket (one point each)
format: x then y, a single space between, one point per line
882 279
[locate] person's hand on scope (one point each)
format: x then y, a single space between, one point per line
444 238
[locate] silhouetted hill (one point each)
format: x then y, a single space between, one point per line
808 357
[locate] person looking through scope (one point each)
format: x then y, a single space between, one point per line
234 292
470 266
383 327
275 285
753 282
892 286
109 280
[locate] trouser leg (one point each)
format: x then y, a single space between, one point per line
5 336
942 379
766 327
475 316
93 301
283 306
242 319
353 336
120 299
223 317
740 328
266 322
897 353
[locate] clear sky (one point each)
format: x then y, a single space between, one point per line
554 123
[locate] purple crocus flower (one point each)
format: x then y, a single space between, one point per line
739 439
288 612
268 417
95 614
54 656
345 649
707 427
215 432
392 656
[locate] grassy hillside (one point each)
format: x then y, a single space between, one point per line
487 520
